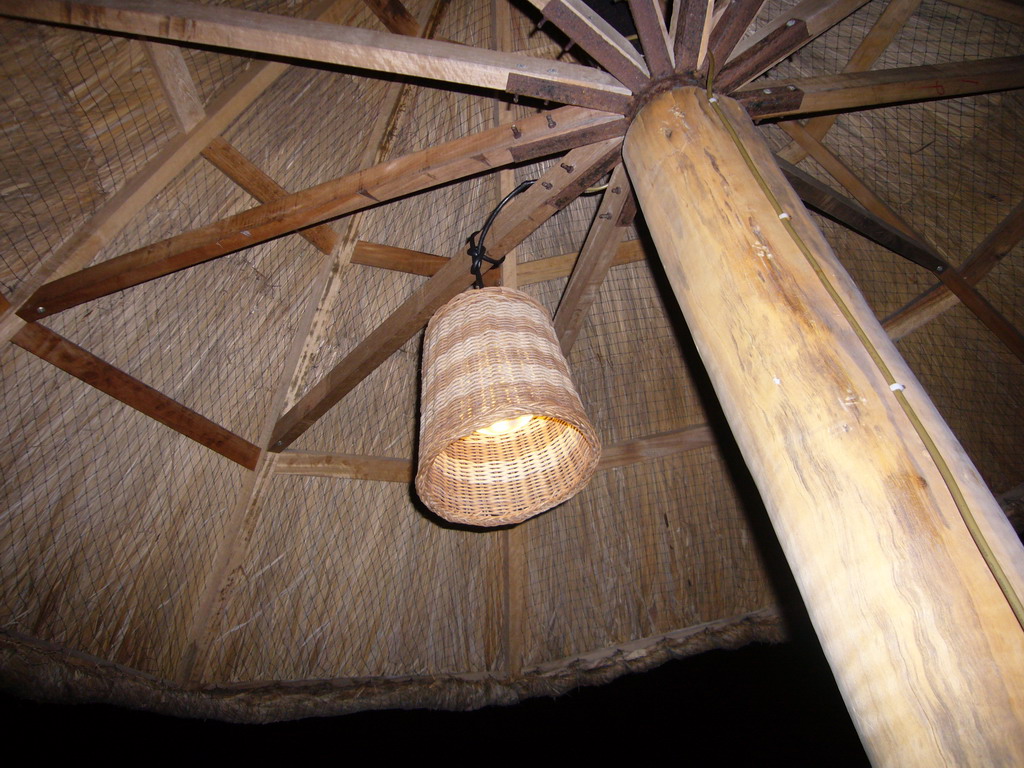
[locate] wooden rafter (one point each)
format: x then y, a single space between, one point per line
931 303
529 272
782 37
111 217
878 38
854 91
98 373
650 28
692 24
598 38
736 17
833 205
249 32
1007 10
399 470
562 183
533 137
596 257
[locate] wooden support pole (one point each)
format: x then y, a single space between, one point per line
877 507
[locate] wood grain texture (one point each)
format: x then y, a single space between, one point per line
249 32
533 137
692 25
562 183
908 613
85 366
395 16
736 18
1007 10
650 28
177 83
865 90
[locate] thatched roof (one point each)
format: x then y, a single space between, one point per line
139 566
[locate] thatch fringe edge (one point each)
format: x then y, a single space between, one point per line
44 672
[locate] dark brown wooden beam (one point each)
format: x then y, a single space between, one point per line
562 183
535 136
598 38
596 257
854 91
735 20
650 27
248 32
83 365
692 28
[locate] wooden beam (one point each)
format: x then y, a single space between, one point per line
530 272
1007 10
596 256
650 27
780 38
533 137
598 38
395 17
908 568
692 25
248 32
854 91
397 470
249 177
937 299
562 183
83 365
111 217
178 86
878 38
736 18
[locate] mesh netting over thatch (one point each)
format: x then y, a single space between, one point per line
137 566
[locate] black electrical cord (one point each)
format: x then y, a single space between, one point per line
477 251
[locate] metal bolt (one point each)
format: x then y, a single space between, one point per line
791 22
40 310
767 90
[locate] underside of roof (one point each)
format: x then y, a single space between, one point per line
139 566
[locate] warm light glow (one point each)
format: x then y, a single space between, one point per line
506 426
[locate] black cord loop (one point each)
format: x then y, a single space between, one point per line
477 251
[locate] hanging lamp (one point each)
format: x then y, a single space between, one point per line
503 435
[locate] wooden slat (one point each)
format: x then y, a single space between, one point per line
990 317
878 38
692 24
530 272
853 91
397 470
533 137
83 365
381 468
111 217
937 299
595 260
598 38
567 179
780 38
1007 10
250 32
394 16
177 83
245 174
729 30
650 27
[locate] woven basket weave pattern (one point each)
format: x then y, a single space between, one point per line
491 355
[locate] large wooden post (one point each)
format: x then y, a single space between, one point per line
924 645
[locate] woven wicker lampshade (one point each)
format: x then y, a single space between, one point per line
503 435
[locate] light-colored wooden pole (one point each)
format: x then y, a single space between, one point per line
922 639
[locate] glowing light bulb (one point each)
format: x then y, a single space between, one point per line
506 426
